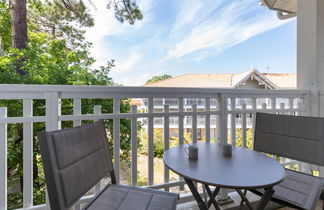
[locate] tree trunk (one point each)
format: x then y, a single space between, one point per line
18 11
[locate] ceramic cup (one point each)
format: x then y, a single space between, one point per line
227 149
192 151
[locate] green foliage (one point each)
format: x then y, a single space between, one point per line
5 29
51 62
158 142
52 17
125 10
158 78
56 53
249 135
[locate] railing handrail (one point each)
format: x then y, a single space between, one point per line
141 90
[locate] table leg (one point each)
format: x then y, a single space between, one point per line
266 197
244 199
201 204
205 194
212 196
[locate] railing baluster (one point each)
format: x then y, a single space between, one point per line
282 107
223 118
96 111
76 111
27 155
181 131
181 117
134 146
273 104
222 126
166 137
53 111
254 108
150 143
116 136
264 106
207 120
299 108
291 106
244 126
299 113
233 117
194 123
3 160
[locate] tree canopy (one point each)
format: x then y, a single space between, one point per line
56 52
158 78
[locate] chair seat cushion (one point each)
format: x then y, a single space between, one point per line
299 189
120 197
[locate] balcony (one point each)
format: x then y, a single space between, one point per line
219 115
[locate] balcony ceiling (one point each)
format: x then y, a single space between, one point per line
289 6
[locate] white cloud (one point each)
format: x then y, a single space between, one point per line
192 30
106 24
210 34
127 64
138 80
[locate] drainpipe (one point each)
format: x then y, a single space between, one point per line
284 16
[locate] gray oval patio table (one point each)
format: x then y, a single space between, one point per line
245 169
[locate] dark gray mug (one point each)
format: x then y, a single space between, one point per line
192 151
227 149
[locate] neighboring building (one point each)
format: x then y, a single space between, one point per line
251 79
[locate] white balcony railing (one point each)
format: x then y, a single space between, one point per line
222 115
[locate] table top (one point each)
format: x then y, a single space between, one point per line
245 169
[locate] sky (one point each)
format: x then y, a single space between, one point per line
179 37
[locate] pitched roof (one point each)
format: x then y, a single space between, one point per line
273 80
196 80
283 81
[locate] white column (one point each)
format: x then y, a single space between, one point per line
310 51
310 55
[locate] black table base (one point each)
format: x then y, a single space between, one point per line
205 205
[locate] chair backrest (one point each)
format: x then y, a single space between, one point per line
295 137
74 160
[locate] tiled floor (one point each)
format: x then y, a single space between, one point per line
192 206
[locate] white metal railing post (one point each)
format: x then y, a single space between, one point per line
27 155
222 127
150 143
207 120
96 111
233 117
53 111
3 160
224 117
76 111
134 146
116 136
254 108
194 123
218 119
291 105
244 144
166 136
181 131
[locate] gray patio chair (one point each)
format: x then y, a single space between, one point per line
75 159
298 138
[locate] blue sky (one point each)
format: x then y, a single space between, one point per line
178 37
